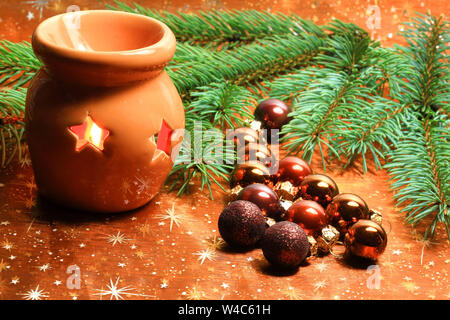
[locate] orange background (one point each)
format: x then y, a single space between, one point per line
145 256
19 18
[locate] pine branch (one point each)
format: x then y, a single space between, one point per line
387 72
344 52
288 87
226 27
420 172
428 39
201 154
376 130
18 63
248 64
319 110
12 104
224 105
337 27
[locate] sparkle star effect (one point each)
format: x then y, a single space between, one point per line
118 238
3 266
216 243
205 254
89 133
176 218
45 267
7 245
409 286
291 293
39 5
145 229
30 15
319 285
114 292
143 185
321 267
35 294
194 294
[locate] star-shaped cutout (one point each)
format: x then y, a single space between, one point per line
164 135
166 139
89 133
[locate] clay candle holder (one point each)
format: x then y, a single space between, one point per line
97 107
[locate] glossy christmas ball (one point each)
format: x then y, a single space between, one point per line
272 113
248 173
292 169
309 215
265 198
285 245
241 224
345 210
366 239
319 188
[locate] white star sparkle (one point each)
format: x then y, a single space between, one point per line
114 292
35 294
176 218
205 254
118 238
39 5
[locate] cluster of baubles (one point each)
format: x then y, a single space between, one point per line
294 213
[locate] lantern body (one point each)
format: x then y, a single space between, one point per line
93 115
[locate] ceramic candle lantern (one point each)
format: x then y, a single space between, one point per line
102 115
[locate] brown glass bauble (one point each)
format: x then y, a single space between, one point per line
292 169
248 173
345 210
309 215
365 239
265 198
319 188
285 245
272 113
241 224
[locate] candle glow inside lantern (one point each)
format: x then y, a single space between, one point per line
101 113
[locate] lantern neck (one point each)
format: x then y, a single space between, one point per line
102 47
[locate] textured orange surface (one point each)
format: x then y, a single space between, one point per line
19 18
171 249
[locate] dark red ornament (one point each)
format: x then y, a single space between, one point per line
366 239
319 188
345 210
309 215
272 113
248 173
265 198
285 245
241 224
292 169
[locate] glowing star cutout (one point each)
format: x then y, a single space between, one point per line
164 135
89 133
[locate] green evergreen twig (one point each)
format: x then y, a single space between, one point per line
18 64
428 38
420 170
224 105
225 27
12 107
247 64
